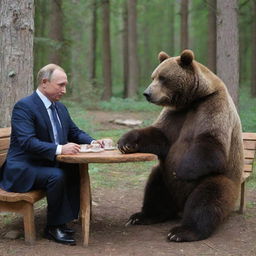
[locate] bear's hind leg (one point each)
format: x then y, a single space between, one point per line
157 205
205 209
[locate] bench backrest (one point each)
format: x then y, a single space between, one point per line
4 143
249 141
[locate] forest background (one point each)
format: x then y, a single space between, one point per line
109 48
94 40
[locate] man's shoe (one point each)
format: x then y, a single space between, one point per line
56 234
64 228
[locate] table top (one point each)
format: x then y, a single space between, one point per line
110 156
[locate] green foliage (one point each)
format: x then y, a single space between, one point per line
198 31
154 25
252 180
114 134
119 104
245 39
80 117
247 110
154 18
47 42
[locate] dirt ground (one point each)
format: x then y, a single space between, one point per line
109 237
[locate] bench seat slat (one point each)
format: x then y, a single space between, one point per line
249 136
4 144
247 168
249 144
31 196
249 154
248 161
5 132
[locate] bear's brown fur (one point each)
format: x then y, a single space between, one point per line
197 138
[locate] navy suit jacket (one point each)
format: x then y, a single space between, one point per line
32 142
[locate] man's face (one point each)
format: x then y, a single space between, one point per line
56 87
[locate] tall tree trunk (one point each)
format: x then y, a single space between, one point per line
184 24
56 31
16 54
133 78
253 86
172 28
125 50
228 46
146 61
107 93
40 54
93 43
212 35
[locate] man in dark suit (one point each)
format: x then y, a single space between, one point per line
41 129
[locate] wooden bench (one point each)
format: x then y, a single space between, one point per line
22 203
249 142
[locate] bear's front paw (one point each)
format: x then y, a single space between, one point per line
128 143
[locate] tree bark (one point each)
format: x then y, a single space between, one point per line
107 77
133 78
228 46
40 53
16 54
56 31
184 24
212 35
93 43
172 28
253 86
125 50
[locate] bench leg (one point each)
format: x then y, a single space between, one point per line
27 210
242 199
29 223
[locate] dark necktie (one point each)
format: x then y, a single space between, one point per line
56 122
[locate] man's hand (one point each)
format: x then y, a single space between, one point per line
70 149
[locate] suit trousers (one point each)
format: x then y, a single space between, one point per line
62 186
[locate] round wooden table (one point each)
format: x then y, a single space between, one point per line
84 159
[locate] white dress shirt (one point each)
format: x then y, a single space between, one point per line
47 104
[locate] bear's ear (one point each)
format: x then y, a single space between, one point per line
163 56
186 57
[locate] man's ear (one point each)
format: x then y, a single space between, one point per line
44 81
163 56
187 57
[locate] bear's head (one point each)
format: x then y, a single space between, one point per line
176 81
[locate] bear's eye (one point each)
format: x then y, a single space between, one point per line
162 78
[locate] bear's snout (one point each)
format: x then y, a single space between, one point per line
147 95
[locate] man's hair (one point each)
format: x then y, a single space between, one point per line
46 72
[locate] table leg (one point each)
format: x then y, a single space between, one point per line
85 202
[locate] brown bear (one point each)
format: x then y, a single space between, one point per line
197 139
